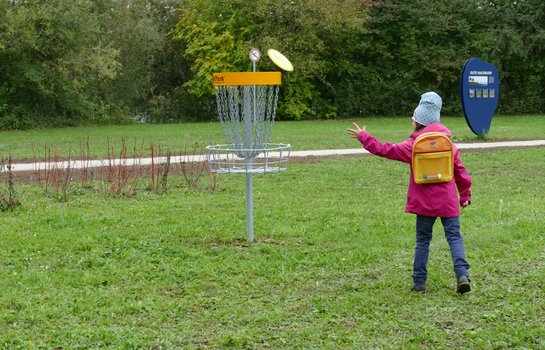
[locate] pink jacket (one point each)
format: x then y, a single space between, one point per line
432 199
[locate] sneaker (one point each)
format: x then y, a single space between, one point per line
419 288
463 285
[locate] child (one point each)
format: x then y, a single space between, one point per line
429 201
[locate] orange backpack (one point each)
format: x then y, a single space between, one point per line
432 158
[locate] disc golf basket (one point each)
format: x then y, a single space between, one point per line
246 107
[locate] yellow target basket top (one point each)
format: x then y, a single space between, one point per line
246 78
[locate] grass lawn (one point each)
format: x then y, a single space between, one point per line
303 135
330 268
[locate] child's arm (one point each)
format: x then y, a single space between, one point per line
463 181
399 151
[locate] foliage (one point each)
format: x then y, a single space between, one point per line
92 64
151 60
51 63
415 46
125 171
8 196
518 45
351 62
131 27
219 36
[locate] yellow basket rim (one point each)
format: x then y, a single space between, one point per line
246 78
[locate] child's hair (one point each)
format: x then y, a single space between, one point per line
419 127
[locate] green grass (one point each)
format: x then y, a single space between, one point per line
330 268
304 135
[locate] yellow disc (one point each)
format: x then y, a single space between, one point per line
280 60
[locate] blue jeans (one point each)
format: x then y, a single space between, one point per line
424 228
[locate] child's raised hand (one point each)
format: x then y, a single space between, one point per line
353 133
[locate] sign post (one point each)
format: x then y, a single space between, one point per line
480 91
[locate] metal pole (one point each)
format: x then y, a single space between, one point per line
249 182
249 203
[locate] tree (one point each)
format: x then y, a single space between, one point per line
518 45
132 28
51 64
96 61
415 46
218 36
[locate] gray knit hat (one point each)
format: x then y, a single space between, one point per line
428 110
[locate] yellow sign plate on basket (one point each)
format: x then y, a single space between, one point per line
247 78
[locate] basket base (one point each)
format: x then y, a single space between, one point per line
226 159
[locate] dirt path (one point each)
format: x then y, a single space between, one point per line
25 172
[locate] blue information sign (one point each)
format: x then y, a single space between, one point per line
480 91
